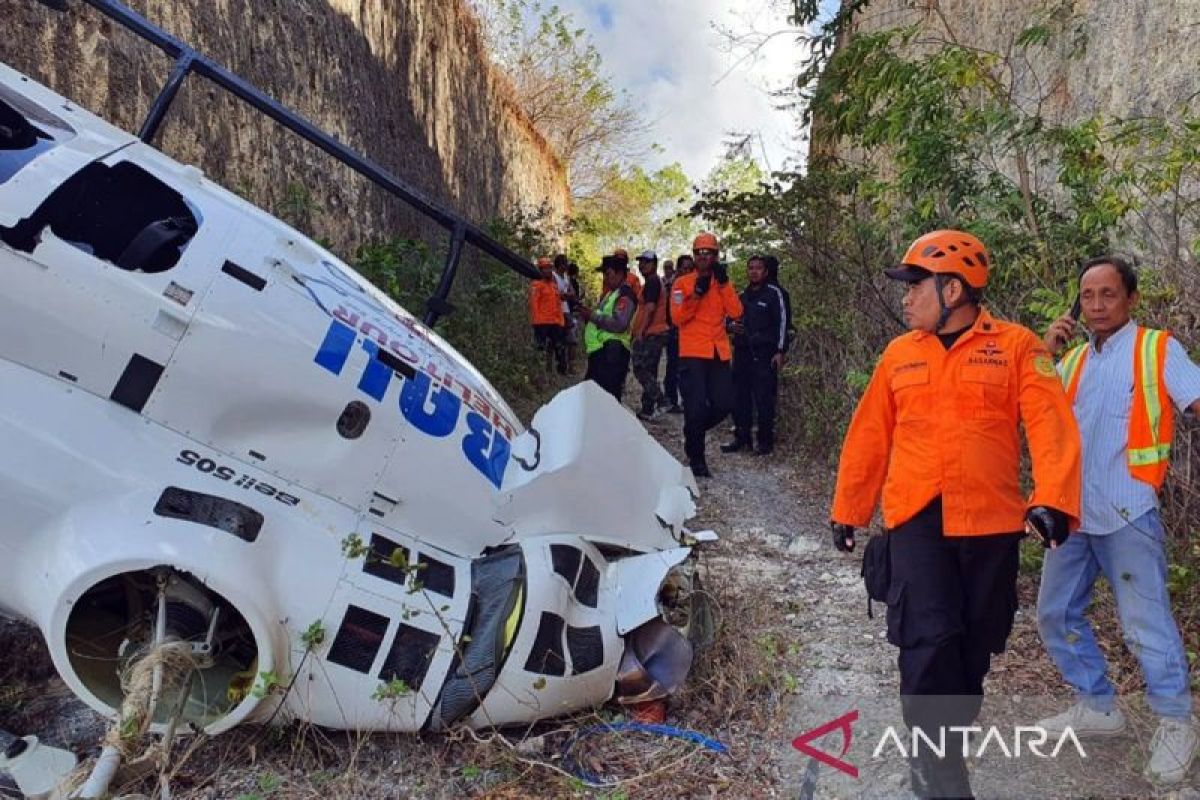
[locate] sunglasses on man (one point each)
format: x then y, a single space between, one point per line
704 251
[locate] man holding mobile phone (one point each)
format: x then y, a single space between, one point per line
1121 384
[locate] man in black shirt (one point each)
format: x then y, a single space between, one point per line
759 342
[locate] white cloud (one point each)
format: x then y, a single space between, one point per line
668 56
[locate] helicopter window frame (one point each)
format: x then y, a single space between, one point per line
120 213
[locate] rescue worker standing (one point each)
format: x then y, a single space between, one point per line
1126 450
546 316
937 434
606 336
758 346
701 302
649 334
683 265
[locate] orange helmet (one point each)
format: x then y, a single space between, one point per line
945 253
621 252
544 263
706 241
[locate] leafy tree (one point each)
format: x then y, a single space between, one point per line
558 77
639 210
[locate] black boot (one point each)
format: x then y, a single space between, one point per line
736 445
700 470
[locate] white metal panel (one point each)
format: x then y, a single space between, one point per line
332 694
590 449
76 317
244 381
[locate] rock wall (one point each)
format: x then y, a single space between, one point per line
1118 59
406 82
1112 60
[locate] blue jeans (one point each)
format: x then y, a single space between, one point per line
1134 561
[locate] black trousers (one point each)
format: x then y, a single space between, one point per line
755 390
706 385
951 605
671 374
553 339
608 367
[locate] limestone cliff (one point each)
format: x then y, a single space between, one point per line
1117 59
405 82
1104 59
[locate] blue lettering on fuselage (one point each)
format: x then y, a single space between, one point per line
433 411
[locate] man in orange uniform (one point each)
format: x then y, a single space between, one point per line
937 433
546 316
701 302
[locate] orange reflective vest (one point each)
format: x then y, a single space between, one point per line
947 422
701 318
658 317
1151 420
545 303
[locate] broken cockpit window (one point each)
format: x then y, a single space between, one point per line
24 137
119 213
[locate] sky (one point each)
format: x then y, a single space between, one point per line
669 57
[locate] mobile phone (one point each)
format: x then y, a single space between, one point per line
1076 309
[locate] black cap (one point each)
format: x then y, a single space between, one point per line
907 274
613 262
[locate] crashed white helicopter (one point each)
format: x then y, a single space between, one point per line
218 434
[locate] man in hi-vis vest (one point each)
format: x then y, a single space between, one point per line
606 336
1121 384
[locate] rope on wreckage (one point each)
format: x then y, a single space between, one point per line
171 662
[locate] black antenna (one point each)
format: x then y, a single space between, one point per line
189 61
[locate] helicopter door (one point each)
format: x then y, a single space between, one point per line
103 276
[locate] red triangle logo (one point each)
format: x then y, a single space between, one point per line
844 724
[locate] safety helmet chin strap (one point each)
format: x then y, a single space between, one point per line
939 282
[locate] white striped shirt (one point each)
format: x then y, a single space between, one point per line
1112 498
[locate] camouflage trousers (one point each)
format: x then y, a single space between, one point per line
646 354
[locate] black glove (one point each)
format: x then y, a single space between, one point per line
1048 524
702 284
843 537
721 271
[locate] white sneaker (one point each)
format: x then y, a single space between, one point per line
1172 750
1084 721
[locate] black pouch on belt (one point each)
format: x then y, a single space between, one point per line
876 570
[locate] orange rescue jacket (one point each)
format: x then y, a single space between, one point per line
701 319
946 422
545 303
